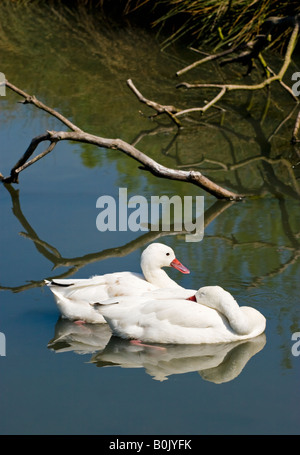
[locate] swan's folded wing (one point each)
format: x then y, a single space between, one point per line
99 288
97 280
183 313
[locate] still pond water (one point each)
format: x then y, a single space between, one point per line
60 378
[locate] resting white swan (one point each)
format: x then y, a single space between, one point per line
218 363
214 317
73 297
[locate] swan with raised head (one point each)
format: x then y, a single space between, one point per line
212 315
74 296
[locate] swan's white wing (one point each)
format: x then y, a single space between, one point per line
180 313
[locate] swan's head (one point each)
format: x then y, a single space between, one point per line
212 296
157 255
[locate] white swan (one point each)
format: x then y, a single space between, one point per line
215 317
73 297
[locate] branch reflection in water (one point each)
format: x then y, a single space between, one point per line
214 211
76 263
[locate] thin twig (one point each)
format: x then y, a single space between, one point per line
206 107
195 177
31 99
38 157
208 58
296 129
19 166
159 108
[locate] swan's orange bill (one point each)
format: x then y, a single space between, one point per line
177 265
193 298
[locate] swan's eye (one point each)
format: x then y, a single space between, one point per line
167 254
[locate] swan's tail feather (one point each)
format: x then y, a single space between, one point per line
64 285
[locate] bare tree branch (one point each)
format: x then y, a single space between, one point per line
274 77
251 50
23 163
208 58
159 108
31 99
51 253
296 129
207 106
248 51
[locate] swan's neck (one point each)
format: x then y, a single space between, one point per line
237 319
158 277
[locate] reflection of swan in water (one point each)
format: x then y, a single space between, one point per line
82 339
214 362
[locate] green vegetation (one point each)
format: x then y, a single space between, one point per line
222 22
211 22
